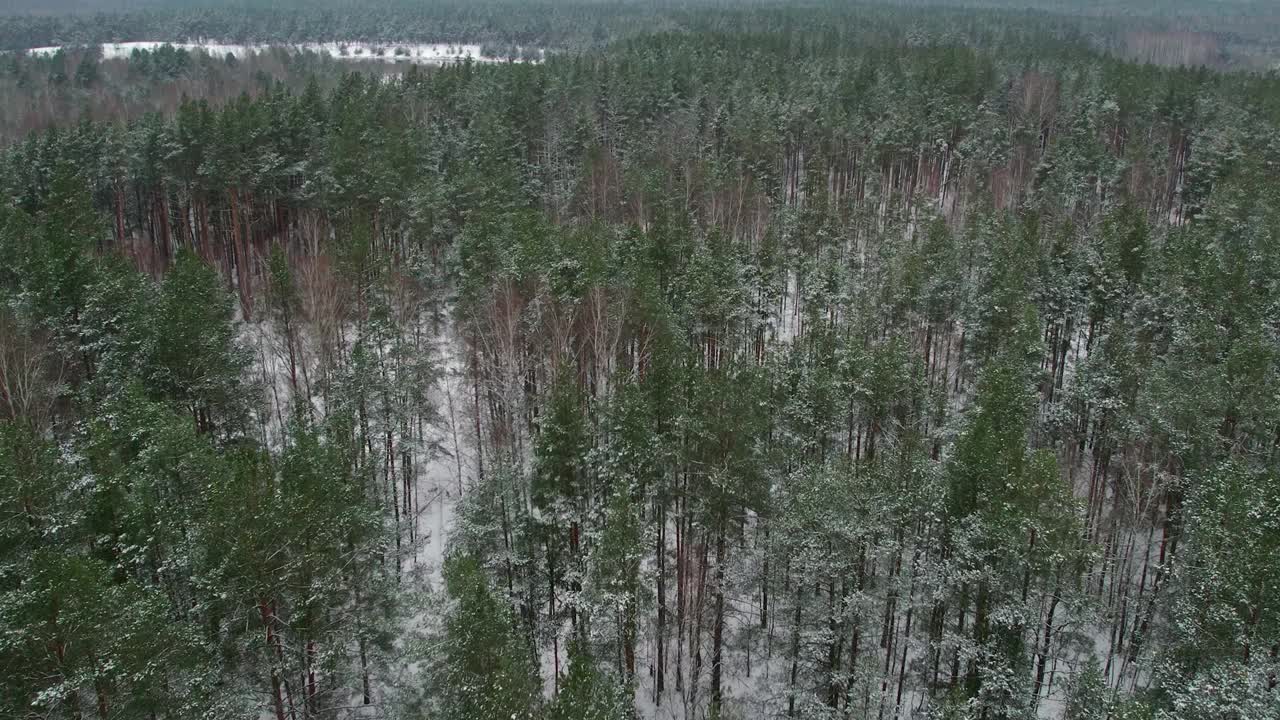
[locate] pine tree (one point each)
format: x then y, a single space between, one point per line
487 672
192 355
588 693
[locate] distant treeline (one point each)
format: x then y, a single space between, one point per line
1241 34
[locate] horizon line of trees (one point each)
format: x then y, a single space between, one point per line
1237 35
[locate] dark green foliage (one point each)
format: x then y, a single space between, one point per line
49 245
560 453
588 693
1227 608
191 355
488 672
817 362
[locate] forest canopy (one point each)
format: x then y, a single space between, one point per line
725 361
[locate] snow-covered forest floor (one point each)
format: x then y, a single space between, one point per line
756 664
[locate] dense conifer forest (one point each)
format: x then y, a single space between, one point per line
739 360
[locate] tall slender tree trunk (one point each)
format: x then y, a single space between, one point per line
661 554
166 242
795 655
699 613
119 208
682 581
242 256
717 635
1047 640
206 250
312 695
277 697
764 580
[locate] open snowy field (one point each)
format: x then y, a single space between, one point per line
419 53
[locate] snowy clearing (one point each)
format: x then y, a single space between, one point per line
417 53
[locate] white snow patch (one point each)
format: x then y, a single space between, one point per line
417 53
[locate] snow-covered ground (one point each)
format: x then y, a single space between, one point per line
444 455
418 53
447 472
756 666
